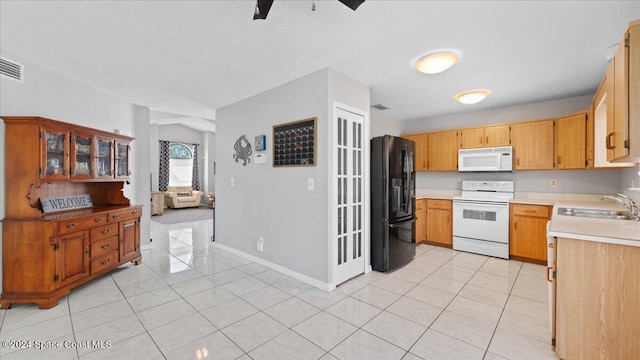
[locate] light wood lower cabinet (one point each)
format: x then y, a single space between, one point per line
528 232
439 222
597 293
44 259
421 220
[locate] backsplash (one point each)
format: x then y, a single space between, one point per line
568 181
630 178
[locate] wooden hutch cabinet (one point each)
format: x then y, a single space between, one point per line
46 254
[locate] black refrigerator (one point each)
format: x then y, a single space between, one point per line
392 202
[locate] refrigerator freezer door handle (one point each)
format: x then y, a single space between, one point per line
397 225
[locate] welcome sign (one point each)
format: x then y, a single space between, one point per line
67 202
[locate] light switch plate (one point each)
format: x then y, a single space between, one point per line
311 184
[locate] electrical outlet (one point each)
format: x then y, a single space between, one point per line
232 182
554 182
260 244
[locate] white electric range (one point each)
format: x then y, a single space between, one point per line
481 218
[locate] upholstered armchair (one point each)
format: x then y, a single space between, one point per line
181 197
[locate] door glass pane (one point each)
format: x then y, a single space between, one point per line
83 163
123 160
104 158
55 153
355 242
344 248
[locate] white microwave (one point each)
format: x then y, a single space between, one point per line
486 159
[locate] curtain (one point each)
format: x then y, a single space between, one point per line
163 173
195 177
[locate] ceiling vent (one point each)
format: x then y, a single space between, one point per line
380 107
11 69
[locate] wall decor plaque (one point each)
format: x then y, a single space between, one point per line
242 148
294 143
67 202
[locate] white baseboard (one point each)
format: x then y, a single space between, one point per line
279 268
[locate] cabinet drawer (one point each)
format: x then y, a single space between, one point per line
103 246
439 204
102 232
66 226
129 213
531 210
106 262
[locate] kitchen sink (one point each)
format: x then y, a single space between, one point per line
594 213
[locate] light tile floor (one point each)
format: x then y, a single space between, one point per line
191 300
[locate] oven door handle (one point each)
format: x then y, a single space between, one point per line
481 203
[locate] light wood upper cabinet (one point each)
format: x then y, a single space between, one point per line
599 126
487 136
420 150
570 141
533 145
443 151
498 135
471 138
624 128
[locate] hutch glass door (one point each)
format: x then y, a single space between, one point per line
81 156
55 153
105 158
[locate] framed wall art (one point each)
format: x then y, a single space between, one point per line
294 143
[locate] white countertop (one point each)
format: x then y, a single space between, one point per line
621 232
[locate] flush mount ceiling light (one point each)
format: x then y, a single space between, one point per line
436 62
472 96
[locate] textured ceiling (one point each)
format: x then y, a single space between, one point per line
192 57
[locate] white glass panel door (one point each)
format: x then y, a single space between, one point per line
349 246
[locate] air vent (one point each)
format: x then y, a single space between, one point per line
379 107
11 69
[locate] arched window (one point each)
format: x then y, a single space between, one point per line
180 164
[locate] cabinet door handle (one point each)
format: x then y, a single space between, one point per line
105 246
115 216
105 231
71 225
105 261
98 219
480 139
530 211
549 272
86 250
515 225
559 160
517 161
609 142
487 140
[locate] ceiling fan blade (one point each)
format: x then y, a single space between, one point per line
262 9
352 4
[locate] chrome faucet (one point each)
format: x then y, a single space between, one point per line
632 208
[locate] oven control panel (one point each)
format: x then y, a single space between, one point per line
488 186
